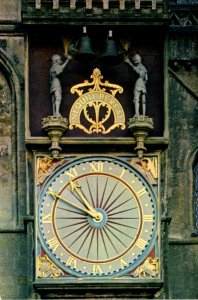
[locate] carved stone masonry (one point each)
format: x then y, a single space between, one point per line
55 127
140 127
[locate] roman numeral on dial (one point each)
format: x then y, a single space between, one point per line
141 243
97 269
148 218
47 218
96 166
141 192
72 173
53 243
72 262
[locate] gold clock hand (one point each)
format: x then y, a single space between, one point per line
55 195
76 187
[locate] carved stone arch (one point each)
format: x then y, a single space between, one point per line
192 160
12 139
12 74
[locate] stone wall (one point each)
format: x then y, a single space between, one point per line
14 268
183 275
183 146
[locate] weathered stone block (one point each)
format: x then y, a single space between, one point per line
183 276
13 266
10 11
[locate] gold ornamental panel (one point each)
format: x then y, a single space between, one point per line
96 110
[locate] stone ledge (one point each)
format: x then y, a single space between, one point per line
111 141
190 241
105 289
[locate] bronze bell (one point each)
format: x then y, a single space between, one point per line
111 54
85 52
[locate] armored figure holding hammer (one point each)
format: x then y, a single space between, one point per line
55 88
140 84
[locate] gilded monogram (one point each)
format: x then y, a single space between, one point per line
98 106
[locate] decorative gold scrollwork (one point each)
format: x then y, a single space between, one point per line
42 166
150 267
47 269
150 165
98 106
96 83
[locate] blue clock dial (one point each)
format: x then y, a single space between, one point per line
97 217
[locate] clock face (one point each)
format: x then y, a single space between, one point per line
97 217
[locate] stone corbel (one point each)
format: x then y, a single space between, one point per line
55 126
140 126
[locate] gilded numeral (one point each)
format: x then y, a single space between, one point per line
141 243
72 173
47 218
72 262
141 192
96 166
97 269
122 174
53 243
148 218
123 263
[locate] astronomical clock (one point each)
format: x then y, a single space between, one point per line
96 186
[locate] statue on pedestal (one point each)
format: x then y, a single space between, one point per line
56 125
55 88
140 84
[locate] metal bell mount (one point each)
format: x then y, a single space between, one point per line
111 54
84 51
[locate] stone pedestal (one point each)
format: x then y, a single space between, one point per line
55 127
140 126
